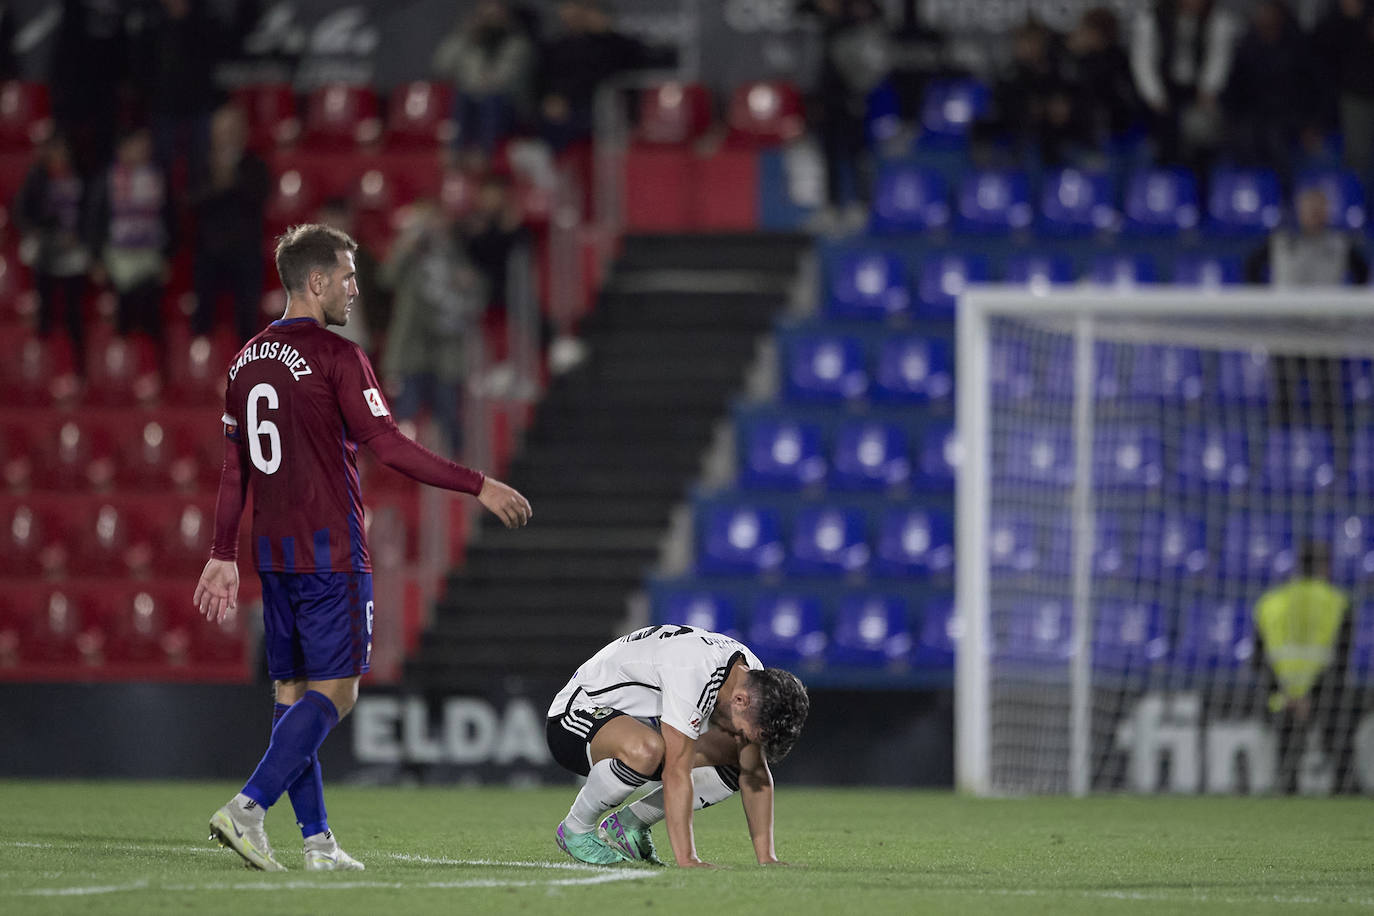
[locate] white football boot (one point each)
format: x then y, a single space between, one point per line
322 853
242 832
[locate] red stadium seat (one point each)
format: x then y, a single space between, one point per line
17 450
144 626
293 200
196 368
673 113
25 115
36 372
184 537
72 453
59 629
457 192
156 456
23 540
122 371
217 643
113 541
765 114
420 115
340 115
272 118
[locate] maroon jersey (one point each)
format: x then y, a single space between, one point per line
299 401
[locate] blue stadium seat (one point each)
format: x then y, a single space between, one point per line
780 455
1357 381
1172 373
1243 202
1352 548
1108 370
1013 543
1173 546
829 540
913 370
914 543
738 539
825 368
1208 271
943 278
1243 377
703 610
1213 457
909 199
868 285
1033 630
869 455
1343 194
1127 457
1040 270
871 631
1077 203
1362 642
1258 548
939 458
937 637
949 109
1161 202
994 202
1128 636
1215 634
1035 454
1360 462
1122 271
786 630
1011 374
1298 460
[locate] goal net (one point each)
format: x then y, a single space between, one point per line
1140 472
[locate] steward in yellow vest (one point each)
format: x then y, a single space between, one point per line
1302 632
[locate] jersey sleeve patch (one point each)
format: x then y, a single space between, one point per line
375 403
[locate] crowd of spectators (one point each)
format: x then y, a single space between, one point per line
150 165
1187 83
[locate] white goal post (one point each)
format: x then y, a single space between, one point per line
1163 417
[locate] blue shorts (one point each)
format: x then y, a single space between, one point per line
317 626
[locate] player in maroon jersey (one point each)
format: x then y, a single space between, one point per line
299 401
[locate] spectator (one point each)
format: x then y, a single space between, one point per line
1302 635
1269 95
1098 71
370 309
229 213
176 47
491 62
49 214
490 230
132 233
9 63
89 69
1344 48
588 53
438 296
1031 101
855 59
1315 255
1181 53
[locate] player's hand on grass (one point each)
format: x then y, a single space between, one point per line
217 592
505 503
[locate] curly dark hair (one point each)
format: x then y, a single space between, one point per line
782 704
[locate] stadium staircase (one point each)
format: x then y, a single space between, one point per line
613 447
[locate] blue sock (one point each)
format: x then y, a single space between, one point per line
307 792
297 736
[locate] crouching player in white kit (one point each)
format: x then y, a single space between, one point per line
692 709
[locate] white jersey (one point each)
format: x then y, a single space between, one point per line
671 673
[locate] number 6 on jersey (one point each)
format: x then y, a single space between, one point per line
264 428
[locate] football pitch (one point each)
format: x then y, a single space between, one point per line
141 848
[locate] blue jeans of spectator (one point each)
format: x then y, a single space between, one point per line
443 398
483 121
173 135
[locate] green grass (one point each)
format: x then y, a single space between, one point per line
140 848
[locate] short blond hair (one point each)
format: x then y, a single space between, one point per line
307 247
